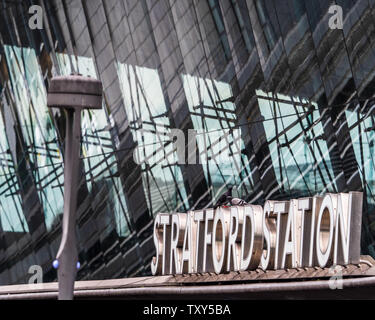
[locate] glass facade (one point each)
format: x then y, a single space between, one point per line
267 97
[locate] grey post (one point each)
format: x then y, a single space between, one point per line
71 93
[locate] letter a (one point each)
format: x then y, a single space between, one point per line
336 21
36 20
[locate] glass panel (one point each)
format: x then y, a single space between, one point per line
11 215
362 133
98 150
42 153
218 19
297 144
147 113
245 35
359 36
219 140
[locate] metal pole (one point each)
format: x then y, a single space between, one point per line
72 94
67 256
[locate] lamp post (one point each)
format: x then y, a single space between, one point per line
71 93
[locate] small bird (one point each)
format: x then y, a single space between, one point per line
224 198
227 198
237 202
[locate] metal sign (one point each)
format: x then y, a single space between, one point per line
317 231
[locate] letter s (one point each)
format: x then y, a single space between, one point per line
156 263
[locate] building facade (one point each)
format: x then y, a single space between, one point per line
272 98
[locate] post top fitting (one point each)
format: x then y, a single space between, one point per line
75 91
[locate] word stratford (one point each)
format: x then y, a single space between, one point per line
303 232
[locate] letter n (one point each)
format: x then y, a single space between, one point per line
179 145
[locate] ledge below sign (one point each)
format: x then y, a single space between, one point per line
317 231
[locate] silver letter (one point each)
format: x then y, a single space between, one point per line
317 203
219 264
232 238
165 221
325 228
289 247
304 237
269 231
188 254
252 236
280 208
209 215
175 235
348 225
156 261
198 217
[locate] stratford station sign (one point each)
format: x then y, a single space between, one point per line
307 232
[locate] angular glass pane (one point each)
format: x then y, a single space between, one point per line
297 145
11 214
147 113
362 133
98 150
42 155
219 140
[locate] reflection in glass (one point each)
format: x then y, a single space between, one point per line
219 23
11 214
147 113
42 154
267 27
98 151
362 133
297 144
219 141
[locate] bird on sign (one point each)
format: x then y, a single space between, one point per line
227 199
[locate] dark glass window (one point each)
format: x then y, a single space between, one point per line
298 9
264 20
314 11
219 23
242 24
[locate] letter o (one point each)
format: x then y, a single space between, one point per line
324 231
218 264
